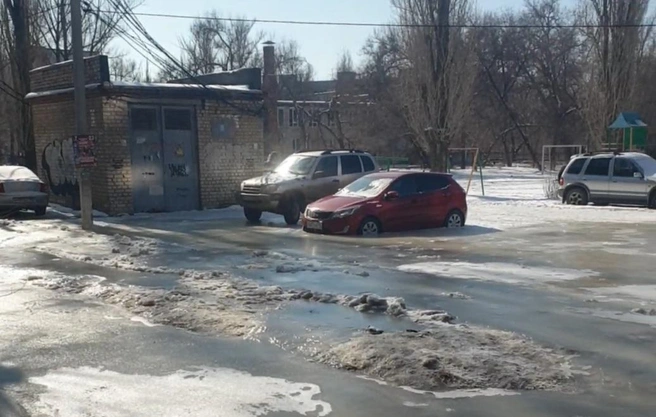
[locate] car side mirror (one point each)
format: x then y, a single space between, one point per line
318 174
391 195
637 175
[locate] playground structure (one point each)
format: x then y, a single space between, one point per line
627 133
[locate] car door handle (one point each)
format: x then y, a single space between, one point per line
337 181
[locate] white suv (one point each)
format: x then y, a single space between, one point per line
609 178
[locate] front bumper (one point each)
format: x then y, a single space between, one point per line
344 226
263 202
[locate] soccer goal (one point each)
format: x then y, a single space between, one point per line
553 156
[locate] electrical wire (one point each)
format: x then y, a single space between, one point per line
386 25
133 22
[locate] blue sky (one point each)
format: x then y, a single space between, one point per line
322 46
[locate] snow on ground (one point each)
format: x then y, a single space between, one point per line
514 197
646 293
204 392
498 272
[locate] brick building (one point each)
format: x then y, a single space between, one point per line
159 147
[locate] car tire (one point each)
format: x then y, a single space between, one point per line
40 211
252 215
652 200
454 220
576 196
370 226
293 213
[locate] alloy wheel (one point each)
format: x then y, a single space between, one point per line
370 228
454 221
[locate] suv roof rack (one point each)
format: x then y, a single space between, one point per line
330 151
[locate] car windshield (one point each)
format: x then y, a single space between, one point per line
365 187
295 165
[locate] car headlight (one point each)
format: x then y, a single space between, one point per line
345 213
270 188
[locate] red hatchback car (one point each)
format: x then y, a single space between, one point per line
389 202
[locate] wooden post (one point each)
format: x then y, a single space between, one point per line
631 140
471 174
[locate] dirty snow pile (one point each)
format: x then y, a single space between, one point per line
453 356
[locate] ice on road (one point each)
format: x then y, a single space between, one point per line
205 392
498 272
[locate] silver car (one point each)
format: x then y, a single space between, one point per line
300 179
609 178
21 189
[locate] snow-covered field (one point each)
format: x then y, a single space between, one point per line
515 197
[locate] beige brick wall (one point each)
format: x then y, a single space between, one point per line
54 125
225 162
59 76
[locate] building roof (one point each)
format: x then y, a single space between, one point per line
163 90
627 120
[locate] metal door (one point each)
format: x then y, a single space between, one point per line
597 177
328 182
180 161
627 183
146 155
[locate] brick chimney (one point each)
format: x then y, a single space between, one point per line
270 93
345 82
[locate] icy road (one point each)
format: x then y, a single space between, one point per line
534 309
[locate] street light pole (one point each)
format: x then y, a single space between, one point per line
79 83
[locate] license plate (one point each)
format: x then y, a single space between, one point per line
314 225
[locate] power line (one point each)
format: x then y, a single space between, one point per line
386 25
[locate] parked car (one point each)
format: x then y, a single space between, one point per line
620 178
301 178
21 189
389 202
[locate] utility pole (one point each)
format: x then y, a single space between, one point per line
79 83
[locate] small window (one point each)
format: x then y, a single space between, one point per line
598 166
143 119
431 183
293 117
405 186
576 166
624 168
327 165
368 164
177 119
351 164
281 116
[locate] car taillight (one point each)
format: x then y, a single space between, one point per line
43 188
561 181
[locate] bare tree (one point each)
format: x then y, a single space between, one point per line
122 68
217 45
437 84
99 28
19 51
345 63
616 45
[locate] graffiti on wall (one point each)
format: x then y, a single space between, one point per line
59 166
178 170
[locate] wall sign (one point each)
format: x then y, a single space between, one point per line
84 153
